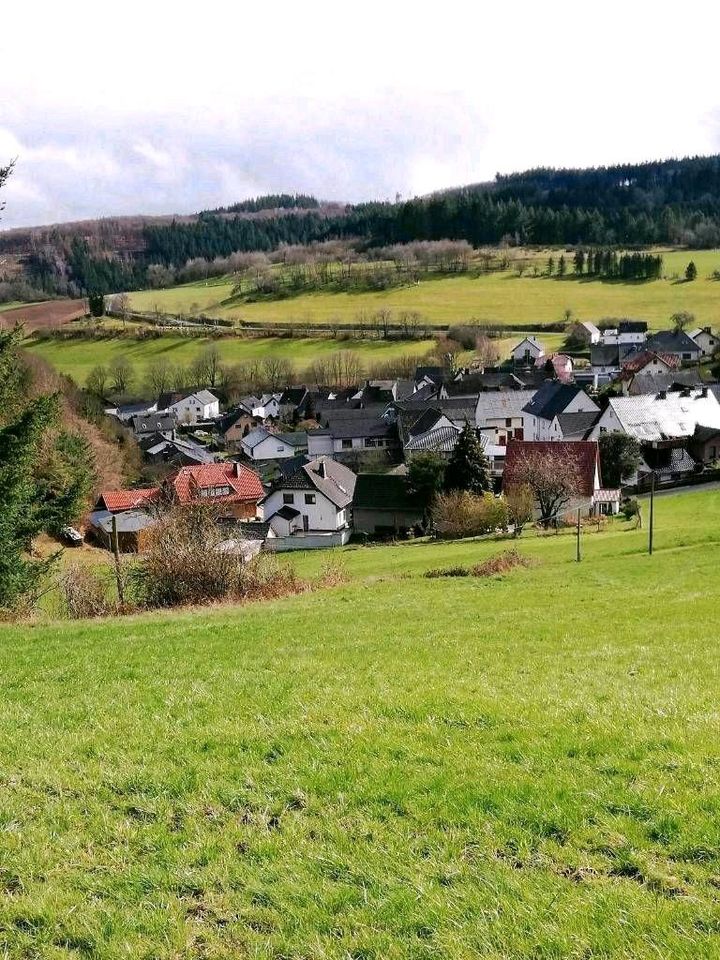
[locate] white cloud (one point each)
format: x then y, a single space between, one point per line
174 108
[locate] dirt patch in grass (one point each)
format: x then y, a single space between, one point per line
495 565
52 313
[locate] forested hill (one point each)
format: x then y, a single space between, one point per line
664 202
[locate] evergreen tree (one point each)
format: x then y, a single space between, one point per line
561 266
550 266
467 468
691 271
579 262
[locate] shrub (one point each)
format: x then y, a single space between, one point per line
85 592
500 563
630 509
463 514
437 572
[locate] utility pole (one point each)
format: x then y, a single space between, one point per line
578 536
118 569
652 504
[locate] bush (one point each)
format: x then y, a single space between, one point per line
463 514
630 509
500 563
85 592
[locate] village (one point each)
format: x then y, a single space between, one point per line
308 467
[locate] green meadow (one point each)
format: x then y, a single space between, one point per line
525 766
503 299
77 357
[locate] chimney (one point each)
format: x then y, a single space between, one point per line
321 469
237 468
704 392
662 395
707 330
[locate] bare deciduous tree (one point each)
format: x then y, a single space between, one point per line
554 478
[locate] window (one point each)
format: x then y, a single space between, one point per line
687 356
288 498
214 491
346 444
279 449
508 421
374 442
309 498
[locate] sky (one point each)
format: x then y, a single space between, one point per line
156 107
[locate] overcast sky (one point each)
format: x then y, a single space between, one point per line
159 107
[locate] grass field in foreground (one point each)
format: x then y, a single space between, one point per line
502 298
395 768
76 358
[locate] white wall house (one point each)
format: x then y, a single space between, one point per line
660 417
551 399
499 414
707 341
268 405
202 405
311 507
260 444
527 351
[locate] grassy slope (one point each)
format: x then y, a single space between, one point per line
78 357
395 768
503 299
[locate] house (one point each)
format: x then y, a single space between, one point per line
707 341
384 505
657 418
573 426
440 440
644 382
190 408
591 497
153 423
126 411
527 351
647 361
627 332
178 451
675 342
553 398
293 403
261 444
354 434
118 501
604 362
235 488
236 424
500 415
705 444
311 507
585 332
558 364
131 528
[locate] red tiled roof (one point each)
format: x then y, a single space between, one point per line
585 453
116 501
243 483
639 362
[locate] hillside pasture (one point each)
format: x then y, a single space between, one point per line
523 766
497 299
76 358
48 314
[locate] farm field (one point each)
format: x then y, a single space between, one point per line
76 358
524 766
49 313
504 299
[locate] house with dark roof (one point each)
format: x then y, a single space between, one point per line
311 507
153 423
573 426
384 505
704 445
131 527
675 342
293 403
262 444
178 451
353 435
645 383
190 408
553 398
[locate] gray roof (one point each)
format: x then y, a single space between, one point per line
438 440
577 426
671 341
502 404
131 521
554 397
604 355
360 426
154 423
655 382
334 480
